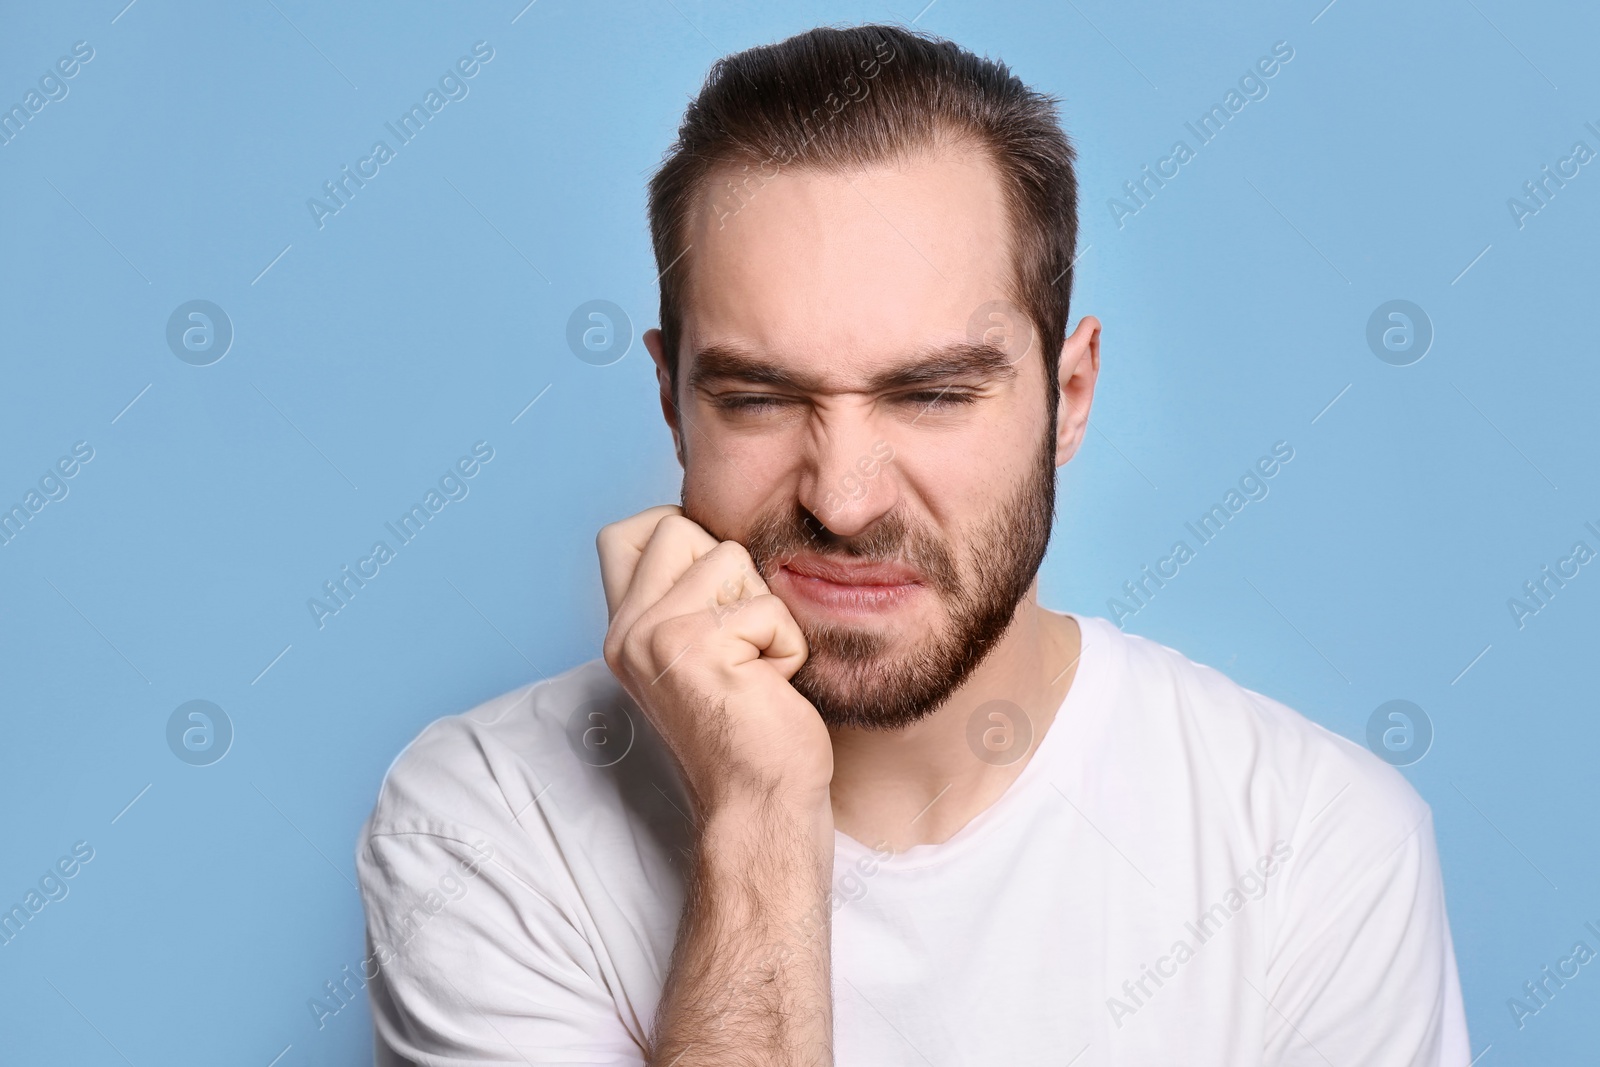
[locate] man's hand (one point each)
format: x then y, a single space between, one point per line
706 651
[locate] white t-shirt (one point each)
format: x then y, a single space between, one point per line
1186 871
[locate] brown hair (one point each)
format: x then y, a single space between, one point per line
837 99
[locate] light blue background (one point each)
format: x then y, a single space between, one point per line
429 312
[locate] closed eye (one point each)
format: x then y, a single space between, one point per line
944 398
926 399
750 403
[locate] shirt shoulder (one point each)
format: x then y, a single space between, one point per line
1272 767
1223 779
517 858
565 754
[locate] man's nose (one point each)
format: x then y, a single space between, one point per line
852 482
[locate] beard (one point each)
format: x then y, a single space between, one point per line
866 679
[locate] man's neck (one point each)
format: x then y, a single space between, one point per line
921 784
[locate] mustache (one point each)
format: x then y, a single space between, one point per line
782 534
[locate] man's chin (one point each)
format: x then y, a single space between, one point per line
870 682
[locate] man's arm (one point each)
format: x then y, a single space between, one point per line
1366 972
706 652
750 974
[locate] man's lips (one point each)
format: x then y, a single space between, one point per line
847 587
851 572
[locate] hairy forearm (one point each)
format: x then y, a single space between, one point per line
749 981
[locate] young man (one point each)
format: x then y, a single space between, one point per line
842 791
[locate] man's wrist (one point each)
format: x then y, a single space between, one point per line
771 831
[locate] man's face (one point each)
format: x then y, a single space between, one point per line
892 479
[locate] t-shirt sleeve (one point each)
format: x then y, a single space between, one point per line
474 963
1366 972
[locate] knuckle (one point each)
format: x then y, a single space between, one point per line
611 535
634 648
735 553
674 526
779 612
743 574
611 650
670 639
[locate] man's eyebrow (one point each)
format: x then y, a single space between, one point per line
946 364
733 363
938 365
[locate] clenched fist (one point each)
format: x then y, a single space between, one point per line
706 651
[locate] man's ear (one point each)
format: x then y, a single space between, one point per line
669 406
1077 372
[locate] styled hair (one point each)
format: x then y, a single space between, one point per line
837 100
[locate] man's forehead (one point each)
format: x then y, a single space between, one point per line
855 264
